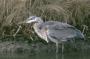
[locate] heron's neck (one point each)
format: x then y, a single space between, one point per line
40 32
37 27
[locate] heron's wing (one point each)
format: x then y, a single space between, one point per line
61 34
56 25
60 31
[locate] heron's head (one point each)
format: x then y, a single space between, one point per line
33 19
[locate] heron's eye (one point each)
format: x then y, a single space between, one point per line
32 18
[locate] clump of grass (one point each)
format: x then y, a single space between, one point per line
74 12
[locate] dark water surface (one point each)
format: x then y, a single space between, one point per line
42 53
51 55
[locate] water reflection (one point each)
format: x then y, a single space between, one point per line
57 56
45 55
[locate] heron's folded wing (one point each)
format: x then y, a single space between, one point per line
63 31
56 25
61 34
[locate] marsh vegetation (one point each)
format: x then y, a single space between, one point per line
74 12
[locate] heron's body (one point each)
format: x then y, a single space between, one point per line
54 31
57 31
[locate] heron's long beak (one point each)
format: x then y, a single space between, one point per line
27 21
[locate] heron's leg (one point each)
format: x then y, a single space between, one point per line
62 48
56 48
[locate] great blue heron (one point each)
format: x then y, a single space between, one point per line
54 31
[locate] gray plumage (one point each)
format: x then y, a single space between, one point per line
54 31
58 31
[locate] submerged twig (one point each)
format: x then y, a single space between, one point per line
17 30
84 28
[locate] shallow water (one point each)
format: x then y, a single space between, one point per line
49 55
42 52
